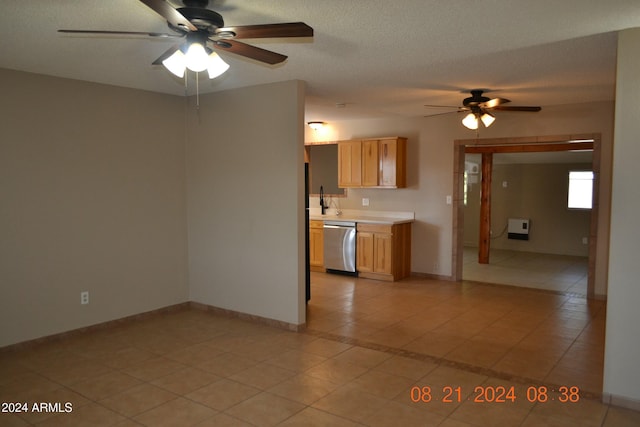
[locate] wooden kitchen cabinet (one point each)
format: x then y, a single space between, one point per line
383 251
316 246
370 162
349 164
374 252
364 251
373 163
393 162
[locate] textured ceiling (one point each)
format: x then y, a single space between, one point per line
377 57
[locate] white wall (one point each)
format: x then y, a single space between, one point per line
91 199
246 201
430 171
622 350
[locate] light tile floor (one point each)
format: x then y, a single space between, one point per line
370 352
527 269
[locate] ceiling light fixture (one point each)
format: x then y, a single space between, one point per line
487 119
316 125
472 120
195 56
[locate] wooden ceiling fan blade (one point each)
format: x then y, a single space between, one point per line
289 29
442 114
173 16
515 108
492 103
166 54
440 106
249 51
122 33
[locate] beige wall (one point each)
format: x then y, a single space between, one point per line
92 187
95 176
430 171
92 184
537 192
622 349
246 201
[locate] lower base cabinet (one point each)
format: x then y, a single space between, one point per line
316 246
383 251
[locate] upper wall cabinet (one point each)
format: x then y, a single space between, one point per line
349 164
379 162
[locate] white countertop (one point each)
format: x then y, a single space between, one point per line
362 216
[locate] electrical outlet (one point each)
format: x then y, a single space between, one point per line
365 201
448 199
84 297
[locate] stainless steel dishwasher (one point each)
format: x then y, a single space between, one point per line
340 246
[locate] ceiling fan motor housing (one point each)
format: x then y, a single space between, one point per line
196 3
475 99
203 19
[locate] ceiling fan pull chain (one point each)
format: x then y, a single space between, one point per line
186 85
197 92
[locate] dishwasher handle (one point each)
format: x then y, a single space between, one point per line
335 226
339 224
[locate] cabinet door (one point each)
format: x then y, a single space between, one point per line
364 251
393 162
388 162
370 163
316 247
382 251
349 164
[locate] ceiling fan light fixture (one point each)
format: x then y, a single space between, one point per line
487 119
175 63
196 58
201 27
470 121
216 66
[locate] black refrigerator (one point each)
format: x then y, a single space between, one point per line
307 267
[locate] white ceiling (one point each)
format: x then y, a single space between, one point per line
377 57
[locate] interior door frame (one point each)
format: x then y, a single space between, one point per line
522 144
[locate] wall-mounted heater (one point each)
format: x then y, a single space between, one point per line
518 229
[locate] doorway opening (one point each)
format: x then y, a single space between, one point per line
496 146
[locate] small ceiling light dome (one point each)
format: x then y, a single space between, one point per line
316 125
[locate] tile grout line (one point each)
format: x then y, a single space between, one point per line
441 361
